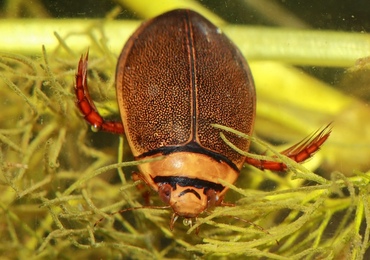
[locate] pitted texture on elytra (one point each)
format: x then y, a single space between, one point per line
155 93
177 75
225 91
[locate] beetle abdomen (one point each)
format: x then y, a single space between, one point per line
177 75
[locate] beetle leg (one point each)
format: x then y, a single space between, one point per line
298 152
173 220
86 105
145 193
198 227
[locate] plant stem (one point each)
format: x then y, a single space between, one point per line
299 47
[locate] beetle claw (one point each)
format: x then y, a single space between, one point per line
173 220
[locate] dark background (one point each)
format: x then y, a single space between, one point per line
352 15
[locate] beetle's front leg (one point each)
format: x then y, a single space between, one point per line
86 104
145 192
298 152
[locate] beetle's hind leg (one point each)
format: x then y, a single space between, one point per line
86 105
298 152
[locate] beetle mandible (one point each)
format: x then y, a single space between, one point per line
177 75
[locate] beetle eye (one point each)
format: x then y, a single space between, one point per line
165 192
212 197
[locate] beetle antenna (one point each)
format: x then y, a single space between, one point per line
130 209
254 225
248 222
227 204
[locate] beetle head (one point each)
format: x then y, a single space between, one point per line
189 201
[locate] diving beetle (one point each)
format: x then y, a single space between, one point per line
177 75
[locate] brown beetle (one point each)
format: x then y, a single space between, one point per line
177 75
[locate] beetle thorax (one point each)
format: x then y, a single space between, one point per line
187 201
188 182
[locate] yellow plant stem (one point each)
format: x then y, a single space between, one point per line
303 47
